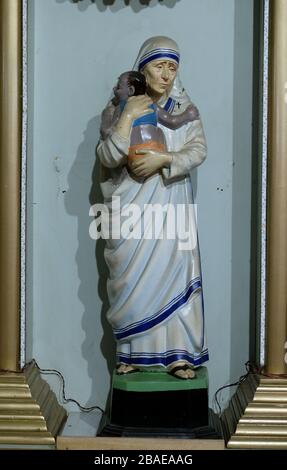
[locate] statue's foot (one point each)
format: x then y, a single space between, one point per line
182 371
126 369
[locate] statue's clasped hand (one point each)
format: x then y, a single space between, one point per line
148 163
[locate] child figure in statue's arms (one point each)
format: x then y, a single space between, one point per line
145 134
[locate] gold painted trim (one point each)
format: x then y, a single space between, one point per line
32 418
10 157
258 442
266 409
261 422
276 293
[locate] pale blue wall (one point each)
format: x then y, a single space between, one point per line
75 54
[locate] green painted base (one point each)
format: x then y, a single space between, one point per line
159 381
157 400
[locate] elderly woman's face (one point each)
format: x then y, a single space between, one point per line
160 75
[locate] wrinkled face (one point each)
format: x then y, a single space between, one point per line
160 75
121 91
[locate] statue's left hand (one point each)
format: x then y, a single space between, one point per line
149 162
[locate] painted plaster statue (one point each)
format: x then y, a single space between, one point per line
154 286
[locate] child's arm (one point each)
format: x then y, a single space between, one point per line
175 121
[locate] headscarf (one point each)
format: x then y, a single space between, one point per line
159 47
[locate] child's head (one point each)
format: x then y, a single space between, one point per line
130 84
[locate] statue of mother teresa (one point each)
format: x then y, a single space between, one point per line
154 286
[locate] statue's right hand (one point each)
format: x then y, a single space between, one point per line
137 106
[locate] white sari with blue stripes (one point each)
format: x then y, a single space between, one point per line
154 287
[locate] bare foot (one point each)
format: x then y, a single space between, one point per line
182 370
125 369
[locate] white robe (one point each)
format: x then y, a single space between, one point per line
154 288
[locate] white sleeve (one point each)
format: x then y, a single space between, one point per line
113 150
192 154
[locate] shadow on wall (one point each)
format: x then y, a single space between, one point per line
116 5
83 193
108 346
